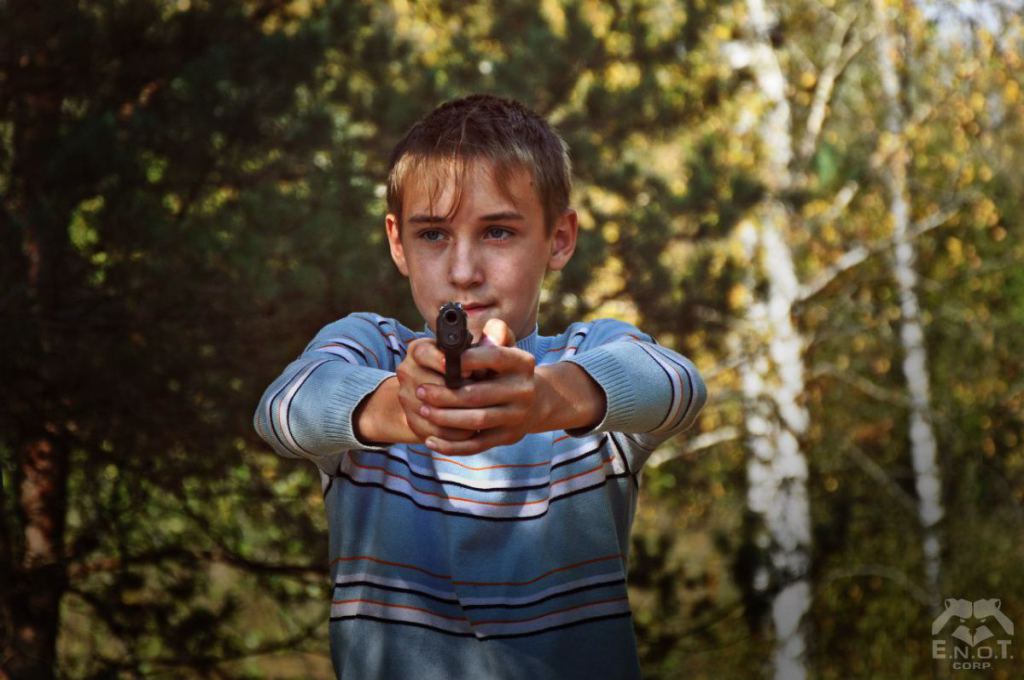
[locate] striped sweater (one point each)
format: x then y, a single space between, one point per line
508 564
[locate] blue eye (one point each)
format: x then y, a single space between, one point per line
500 233
428 235
492 233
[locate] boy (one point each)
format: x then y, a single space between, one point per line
480 532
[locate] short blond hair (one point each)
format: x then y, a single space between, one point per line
483 127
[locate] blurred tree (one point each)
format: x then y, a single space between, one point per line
165 169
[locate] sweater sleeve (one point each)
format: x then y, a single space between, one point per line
650 390
307 411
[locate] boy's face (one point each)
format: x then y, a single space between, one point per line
491 255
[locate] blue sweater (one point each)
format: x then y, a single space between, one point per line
508 564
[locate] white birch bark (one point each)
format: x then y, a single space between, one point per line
773 378
915 360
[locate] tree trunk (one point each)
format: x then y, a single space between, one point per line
915 359
38 206
773 379
39 580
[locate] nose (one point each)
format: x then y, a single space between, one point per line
464 265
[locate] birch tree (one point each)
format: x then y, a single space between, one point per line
773 372
773 379
923 448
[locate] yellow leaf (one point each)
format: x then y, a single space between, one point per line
621 76
955 249
738 296
1011 93
555 15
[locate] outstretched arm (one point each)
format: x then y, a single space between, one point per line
619 381
353 387
651 391
307 411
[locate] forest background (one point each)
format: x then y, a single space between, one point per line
818 201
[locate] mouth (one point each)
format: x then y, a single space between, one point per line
475 308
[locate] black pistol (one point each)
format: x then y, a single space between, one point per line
453 338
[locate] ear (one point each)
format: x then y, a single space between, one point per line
395 243
563 239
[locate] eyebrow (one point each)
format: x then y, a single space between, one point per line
440 219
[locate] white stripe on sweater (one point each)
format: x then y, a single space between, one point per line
678 393
481 480
532 507
285 402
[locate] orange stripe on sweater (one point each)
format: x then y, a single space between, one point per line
424 454
347 337
367 558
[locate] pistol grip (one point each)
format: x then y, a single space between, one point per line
453 370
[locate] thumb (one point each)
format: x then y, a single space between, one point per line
496 332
